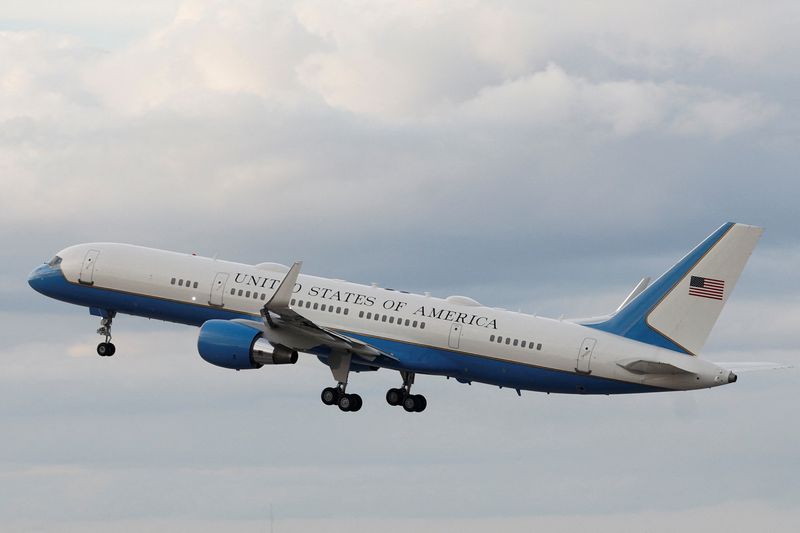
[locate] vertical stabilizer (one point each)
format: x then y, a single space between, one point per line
679 309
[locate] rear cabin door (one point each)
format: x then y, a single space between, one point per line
455 335
584 364
87 269
218 289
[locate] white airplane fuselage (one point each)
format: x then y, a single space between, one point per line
454 337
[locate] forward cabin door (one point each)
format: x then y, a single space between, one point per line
584 364
87 269
455 335
218 289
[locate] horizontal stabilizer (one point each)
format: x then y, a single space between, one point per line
638 289
753 367
643 366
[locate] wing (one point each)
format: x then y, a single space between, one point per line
285 327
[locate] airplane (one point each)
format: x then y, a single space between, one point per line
252 316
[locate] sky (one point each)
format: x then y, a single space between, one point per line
533 155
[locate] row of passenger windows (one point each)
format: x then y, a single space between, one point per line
515 342
322 307
390 319
183 283
256 295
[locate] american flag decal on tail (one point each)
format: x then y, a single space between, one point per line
706 287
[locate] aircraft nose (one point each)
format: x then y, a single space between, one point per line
36 278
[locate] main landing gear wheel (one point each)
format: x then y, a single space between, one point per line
395 396
412 403
330 395
337 396
350 402
415 403
106 349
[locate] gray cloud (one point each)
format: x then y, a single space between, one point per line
533 156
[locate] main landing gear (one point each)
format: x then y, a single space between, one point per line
340 367
412 403
107 348
337 395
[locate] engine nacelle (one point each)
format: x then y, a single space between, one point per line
238 346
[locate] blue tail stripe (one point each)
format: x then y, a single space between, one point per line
631 321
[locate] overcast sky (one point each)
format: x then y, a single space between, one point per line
534 155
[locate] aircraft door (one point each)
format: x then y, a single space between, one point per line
218 289
87 269
584 364
455 335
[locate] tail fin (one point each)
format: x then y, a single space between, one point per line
679 309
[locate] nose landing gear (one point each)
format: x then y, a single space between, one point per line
107 348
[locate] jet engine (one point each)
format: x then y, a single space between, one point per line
238 346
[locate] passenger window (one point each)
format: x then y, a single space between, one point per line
383 318
338 310
346 310
316 305
240 292
188 283
233 292
323 307
391 320
195 285
292 301
522 344
491 338
539 346
516 341
508 340
377 316
360 314
247 294
173 281
369 316
408 322
499 338
414 324
422 325
308 305
255 296
180 283
532 346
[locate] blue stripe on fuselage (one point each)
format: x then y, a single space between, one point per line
411 357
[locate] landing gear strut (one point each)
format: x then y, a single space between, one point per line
107 348
412 403
340 367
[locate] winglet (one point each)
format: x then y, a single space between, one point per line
282 296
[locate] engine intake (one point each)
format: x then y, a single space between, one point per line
239 346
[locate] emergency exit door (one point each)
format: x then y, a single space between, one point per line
455 335
585 356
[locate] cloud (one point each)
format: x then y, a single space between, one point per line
553 99
529 154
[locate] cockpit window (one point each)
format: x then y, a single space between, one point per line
54 262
